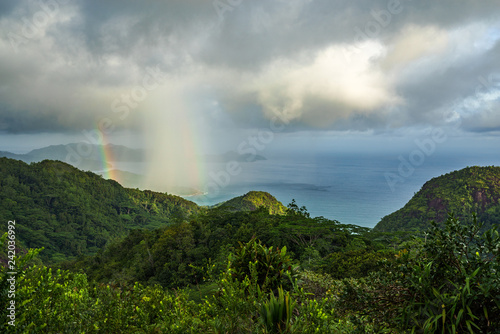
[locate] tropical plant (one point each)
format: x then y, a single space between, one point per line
276 313
448 285
270 266
456 283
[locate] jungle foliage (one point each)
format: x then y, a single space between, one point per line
463 192
71 213
93 257
447 283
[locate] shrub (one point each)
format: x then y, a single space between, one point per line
59 301
271 267
354 263
456 282
276 313
449 285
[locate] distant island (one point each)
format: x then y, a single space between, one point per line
86 156
82 155
232 156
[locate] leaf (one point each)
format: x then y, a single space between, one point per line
475 272
459 315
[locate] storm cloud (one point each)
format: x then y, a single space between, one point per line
319 65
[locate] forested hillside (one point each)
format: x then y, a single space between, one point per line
470 190
252 201
174 256
214 274
230 269
70 212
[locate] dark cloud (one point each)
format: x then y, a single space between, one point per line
430 99
7 6
339 65
22 121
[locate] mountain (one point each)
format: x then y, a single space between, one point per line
82 155
472 189
105 159
179 254
126 179
12 155
252 201
72 213
86 151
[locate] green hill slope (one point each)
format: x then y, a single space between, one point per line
472 189
177 255
252 201
72 213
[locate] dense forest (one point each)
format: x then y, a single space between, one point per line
70 212
175 256
250 265
469 190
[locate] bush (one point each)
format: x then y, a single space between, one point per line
276 313
449 285
271 267
59 301
354 263
457 285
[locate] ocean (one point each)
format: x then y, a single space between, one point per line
351 188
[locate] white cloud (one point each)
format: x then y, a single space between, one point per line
295 57
414 43
322 88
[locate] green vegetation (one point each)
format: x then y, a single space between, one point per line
254 200
447 283
472 189
173 255
276 313
167 265
72 213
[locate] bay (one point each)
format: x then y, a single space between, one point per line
350 188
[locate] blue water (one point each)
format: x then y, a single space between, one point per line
351 188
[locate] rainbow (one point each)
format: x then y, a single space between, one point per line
107 158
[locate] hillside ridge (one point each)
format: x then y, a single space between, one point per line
252 201
469 190
72 213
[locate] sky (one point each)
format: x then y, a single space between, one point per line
187 77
